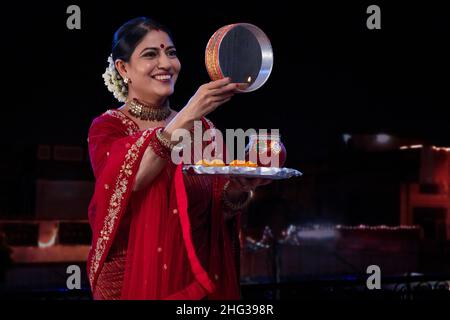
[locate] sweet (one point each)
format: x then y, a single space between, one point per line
251 164
220 163
212 163
242 163
217 163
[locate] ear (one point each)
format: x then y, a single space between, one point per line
121 67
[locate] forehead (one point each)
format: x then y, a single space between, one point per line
155 38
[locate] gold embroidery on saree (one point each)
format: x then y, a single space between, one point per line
132 128
115 202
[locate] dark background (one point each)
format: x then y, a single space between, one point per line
331 75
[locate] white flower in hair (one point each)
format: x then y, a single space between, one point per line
114 81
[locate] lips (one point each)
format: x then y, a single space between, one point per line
164 77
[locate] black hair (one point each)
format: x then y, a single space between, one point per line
130 34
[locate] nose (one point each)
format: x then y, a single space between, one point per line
164 62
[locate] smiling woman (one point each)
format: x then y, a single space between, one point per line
156 233
152 67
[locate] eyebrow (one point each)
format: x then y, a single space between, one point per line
157 48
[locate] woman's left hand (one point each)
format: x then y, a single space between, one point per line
247 184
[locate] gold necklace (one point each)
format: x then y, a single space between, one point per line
145 112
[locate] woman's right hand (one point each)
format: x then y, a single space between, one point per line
208 97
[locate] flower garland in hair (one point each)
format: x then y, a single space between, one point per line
114 81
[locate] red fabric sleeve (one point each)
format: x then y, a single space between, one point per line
104 131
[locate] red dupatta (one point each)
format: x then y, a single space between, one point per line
162 262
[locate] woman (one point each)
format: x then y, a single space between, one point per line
156 233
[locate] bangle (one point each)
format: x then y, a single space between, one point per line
233 205
158 148
163 140
166 142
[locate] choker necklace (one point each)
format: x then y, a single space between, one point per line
145 112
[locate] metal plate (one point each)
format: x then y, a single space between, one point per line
247 172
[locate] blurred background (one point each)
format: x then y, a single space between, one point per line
364 114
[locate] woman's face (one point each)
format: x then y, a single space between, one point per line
153 67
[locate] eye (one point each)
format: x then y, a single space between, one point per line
172 53
150 54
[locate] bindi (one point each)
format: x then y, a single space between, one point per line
162 46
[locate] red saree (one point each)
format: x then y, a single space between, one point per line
166 241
